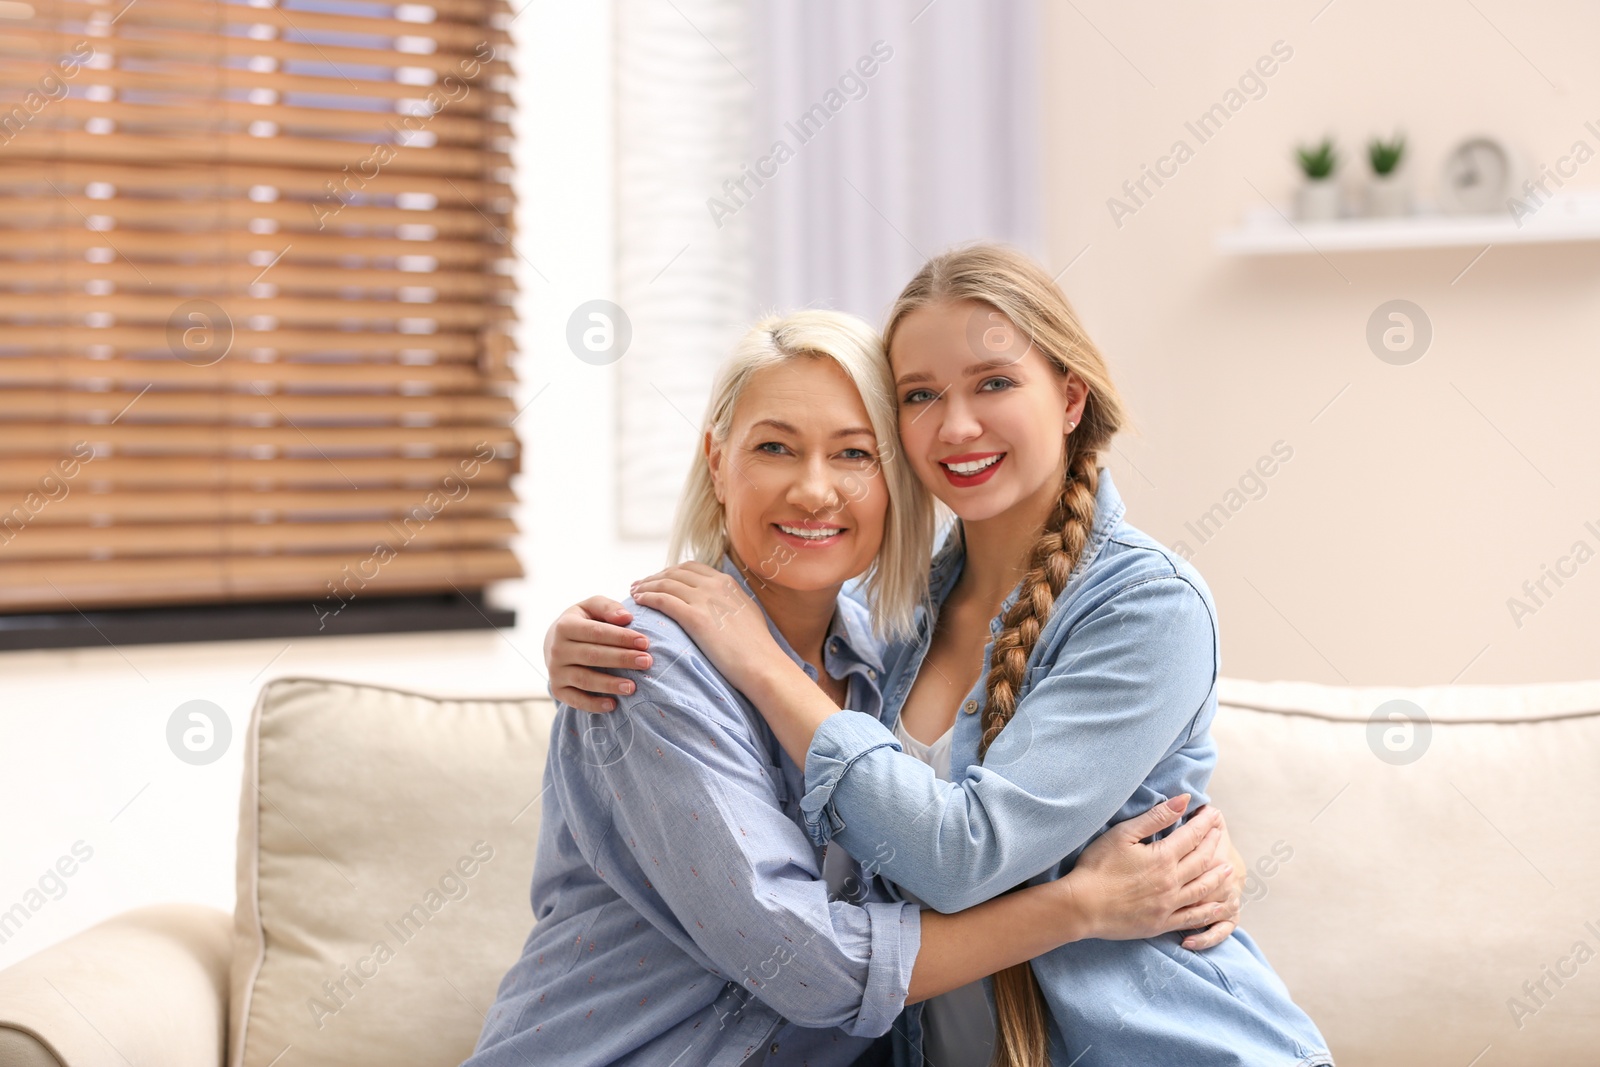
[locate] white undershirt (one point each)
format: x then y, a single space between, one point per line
958 1027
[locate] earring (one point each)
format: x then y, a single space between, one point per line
1071 426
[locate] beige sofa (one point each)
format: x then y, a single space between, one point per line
1427 888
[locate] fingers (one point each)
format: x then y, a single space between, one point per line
586 631
692 575
1153 821
1213 815
581 700
1190 834
1196 916
590 682
1212 887
1240 869
1210 937
676 608
604 609
668 585
599 644
673 607
1200 860
678 573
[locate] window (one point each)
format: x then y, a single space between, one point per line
255 303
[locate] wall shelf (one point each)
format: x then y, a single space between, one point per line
1266 232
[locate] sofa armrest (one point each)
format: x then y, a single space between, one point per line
149 986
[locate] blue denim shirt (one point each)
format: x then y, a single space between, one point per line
1113 717
682 915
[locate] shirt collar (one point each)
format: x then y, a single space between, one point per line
1109 510
849 639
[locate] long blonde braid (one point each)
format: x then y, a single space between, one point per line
1022 1038
1054 555
1016 286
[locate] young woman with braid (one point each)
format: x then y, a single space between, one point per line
1062 676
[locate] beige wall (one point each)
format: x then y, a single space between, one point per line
1386 548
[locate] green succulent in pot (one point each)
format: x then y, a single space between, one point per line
1318 161
1317 199
1388 193
1384 155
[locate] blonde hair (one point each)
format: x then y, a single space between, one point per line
1024 292
898 578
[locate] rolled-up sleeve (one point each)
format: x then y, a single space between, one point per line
1121 694
837 744
701 844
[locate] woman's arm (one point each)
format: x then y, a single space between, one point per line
699 843
678 811
1120 698
795 708
592 634
1107 725
1120 890
700 599
591 637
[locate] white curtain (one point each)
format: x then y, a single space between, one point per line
683 118
942 147
775 154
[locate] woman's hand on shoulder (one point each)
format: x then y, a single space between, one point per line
588 635
719 617
1129 890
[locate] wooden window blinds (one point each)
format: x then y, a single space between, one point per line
255 301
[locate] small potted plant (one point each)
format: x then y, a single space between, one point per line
1388 195
1317 199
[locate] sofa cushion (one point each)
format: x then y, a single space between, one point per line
1423 873
386 844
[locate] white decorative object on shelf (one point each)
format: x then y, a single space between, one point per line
1318 200
1388 196
1569 216
1477 177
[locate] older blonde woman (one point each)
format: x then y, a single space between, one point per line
684 917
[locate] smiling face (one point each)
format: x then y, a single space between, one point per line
798 478
982 427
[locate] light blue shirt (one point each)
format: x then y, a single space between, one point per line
1114 717
683 918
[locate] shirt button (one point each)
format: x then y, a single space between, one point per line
833 646
970 706
872 674
774 1048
